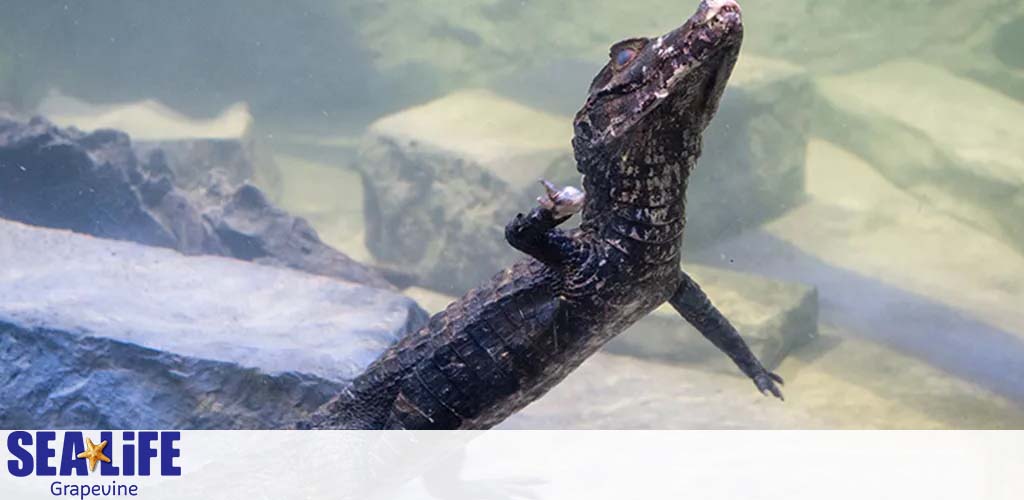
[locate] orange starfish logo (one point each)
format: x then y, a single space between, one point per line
94 453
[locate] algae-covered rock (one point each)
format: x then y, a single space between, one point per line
773 316
953 143
67 179
98 333
439 182
894 270
190 148
93 183
442 179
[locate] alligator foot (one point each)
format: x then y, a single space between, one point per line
765 382
694 306
535 233
561 202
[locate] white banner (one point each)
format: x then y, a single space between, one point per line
563 465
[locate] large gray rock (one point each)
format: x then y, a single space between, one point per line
442 179
898 272
990 53
192 160
190 148
951 142
94 183
98 333
773 316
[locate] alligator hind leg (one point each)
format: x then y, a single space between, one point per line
535 234
693 304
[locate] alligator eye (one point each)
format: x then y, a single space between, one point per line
624 57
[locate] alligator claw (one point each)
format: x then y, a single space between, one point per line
562 202
765 383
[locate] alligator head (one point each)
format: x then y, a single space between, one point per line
658 94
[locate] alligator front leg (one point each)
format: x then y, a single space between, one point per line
535 234
693 304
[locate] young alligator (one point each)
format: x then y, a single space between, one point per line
505 344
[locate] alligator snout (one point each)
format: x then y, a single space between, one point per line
714 8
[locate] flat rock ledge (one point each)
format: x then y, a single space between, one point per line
951 142
98 333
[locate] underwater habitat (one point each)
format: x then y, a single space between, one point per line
236 215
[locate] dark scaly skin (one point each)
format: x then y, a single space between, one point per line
508 342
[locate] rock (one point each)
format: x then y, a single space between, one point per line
858 220
513 142
190 148
146 120
439 182
953 143
192 161
990 53
443 179
773 316
94 184
252 229
896 272
50 178
98 333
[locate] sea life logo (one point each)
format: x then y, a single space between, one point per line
72 453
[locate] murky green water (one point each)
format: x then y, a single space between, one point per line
870 151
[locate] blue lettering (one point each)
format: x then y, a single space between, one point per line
108 468
23 465
129 455
44 453
167 453
146 451
73 445
129 460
